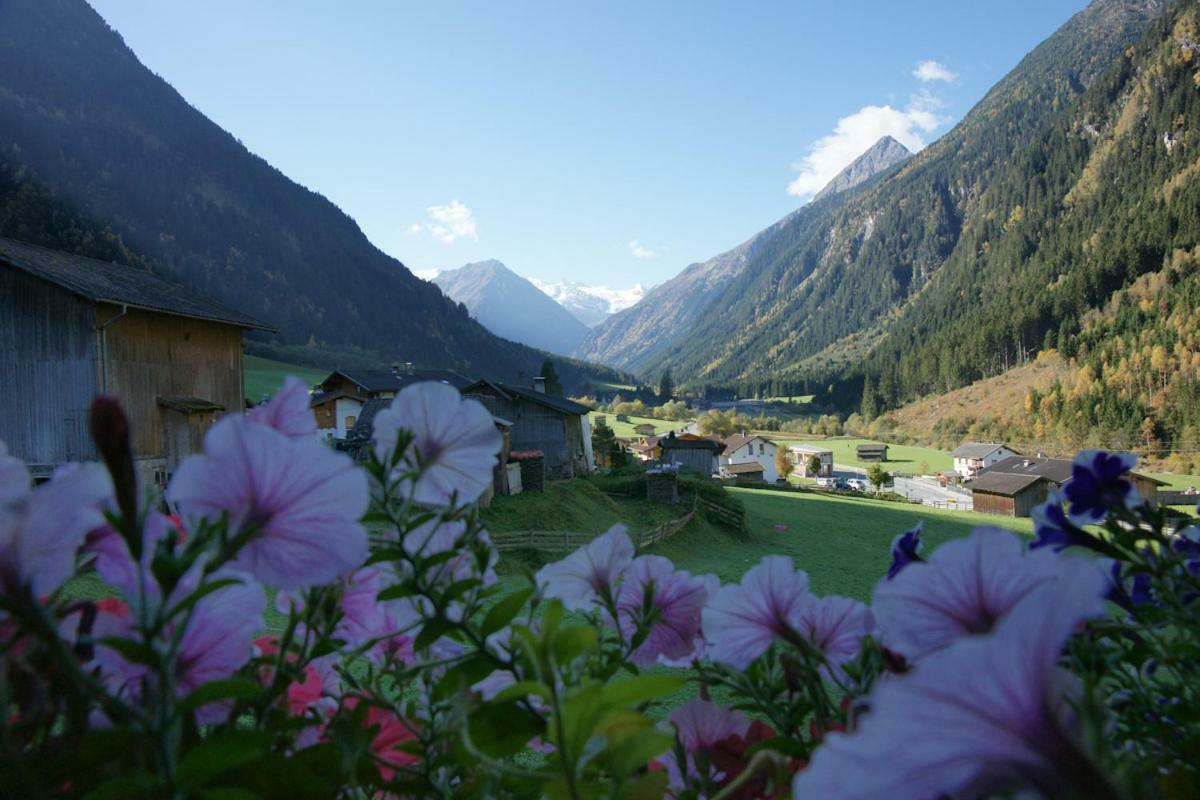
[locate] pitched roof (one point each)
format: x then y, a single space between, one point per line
674 443
742 469
1056 470
386 380
1003 483
977 449
560 404
739 439
108 282
807 448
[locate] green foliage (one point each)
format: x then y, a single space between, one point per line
553 384
666 386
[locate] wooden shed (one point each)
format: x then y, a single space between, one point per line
558 427
872 452
74 327
1007 494
695 454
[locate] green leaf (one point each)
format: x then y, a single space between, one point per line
395 592
229 794
503 729
219 754
229 689
650 786
575 641
131 651
521 690
459 588
504 611
434 629
641 689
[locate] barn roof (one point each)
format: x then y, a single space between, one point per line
739 439
1004 484
388 380
508 391
743 469
807 448
674 443
977 449
1056 470
108 282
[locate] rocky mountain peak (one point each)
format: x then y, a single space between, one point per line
885 153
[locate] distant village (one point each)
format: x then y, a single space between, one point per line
73 328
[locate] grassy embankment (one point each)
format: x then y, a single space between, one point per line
901 457
625 429
263 376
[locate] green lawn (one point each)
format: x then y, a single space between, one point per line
661 426
901 457
802 399
264 375
843 543
1174 480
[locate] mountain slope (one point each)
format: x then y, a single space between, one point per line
845 272
512 307
635 338
118 146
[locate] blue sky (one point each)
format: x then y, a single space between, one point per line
608 143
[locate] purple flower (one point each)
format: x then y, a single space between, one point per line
388 627
906 549
700 724
288 411
965 588
1098 485
990 713
41 528
835 626
302 501
455 442
699 651
115 564
675 602
742 621
580 578
1054 528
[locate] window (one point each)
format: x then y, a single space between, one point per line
350 422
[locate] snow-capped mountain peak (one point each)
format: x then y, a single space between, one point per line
591 305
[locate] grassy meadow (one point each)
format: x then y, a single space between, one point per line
901 457
264 375
661 426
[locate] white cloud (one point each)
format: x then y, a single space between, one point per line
639 250
928 71
853 134
447 223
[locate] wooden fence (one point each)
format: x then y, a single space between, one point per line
726 515
570 540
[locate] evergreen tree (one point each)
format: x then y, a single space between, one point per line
666 386
553 384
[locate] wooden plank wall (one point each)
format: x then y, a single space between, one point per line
151 355
47 370
534 427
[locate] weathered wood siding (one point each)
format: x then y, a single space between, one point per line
535 427
48 370
1019 505
695 459
147 356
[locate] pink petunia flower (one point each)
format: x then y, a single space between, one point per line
676 601
580 578
288 411
836 626
700 724
302 500
41 528
455 442
742 621
965 588
390 626
700 646
986 714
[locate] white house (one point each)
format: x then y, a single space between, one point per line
335 412
743 448
803 453
972 457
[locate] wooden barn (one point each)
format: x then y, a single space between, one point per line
695 454
74 327
1009 495
872 452
340 399
556 426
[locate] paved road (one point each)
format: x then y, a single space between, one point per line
930 493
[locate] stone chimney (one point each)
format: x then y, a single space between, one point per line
539 385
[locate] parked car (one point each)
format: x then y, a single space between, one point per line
858 484
827 482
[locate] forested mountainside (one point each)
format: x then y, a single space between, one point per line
511 306
847 271
112 145
635 337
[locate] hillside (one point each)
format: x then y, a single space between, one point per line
512 307
887 250
98 137
637 337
